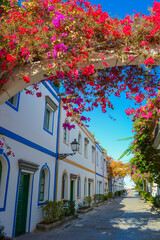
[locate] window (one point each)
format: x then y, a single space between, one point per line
93 154
66 134
48 121
86 141
64 186
80 143
85 149
13 102
104 164
101 162
93 188
50 109
97 159
78 187
85 187
97 187
42 186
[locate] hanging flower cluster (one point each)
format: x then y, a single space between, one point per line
67 35
146 161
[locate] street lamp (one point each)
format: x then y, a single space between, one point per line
74 147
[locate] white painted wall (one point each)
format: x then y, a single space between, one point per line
28 123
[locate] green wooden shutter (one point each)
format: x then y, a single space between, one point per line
42 186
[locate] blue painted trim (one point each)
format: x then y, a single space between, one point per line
99 148
1 151
30 210
44 121
55 175
44 166
12 106
99 174
51 91
15 209
26 142
52 85
7 181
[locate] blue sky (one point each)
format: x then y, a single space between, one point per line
119 8
105 129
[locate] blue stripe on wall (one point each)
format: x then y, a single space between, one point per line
99 148
99 174
27 142
50 90
52 85
55 176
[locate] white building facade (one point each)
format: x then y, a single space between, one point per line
27 180
32 128
76 174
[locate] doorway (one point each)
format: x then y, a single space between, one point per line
72 190
89 189
22 204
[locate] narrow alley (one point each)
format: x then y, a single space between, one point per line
122 218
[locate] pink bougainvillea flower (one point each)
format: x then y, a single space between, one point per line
69 114
26 79
127 49
149 61
106 64
143 43
39 94
131 58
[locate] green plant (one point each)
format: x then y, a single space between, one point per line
69 207
116 194
110 195
49 211
72 207
156 201
80 205
53 211
2 233
89 201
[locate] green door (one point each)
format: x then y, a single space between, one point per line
89 189
22 204
72 191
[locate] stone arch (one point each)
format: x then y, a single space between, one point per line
36 70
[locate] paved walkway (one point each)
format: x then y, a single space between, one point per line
126 218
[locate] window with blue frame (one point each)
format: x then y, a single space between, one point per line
42 186
50 109
13 102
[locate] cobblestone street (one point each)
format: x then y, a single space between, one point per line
122 218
